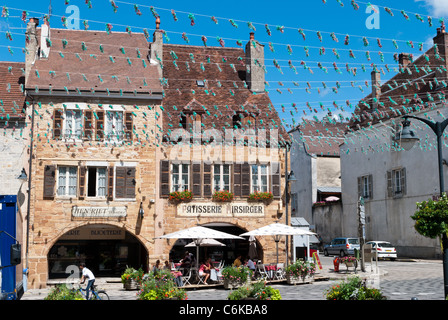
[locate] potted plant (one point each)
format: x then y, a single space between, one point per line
62 292
180 196
222 196
131 278
235 277
260 197
255 291
160 285
353 289
300 272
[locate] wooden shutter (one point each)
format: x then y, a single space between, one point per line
110 183
120 182
57 124
88 124
237 179
403 181
49 181
82 182
164 178
275 180
359 187
370 186
130 183
99 128
245 179
196 180
128 125
390 187
207 180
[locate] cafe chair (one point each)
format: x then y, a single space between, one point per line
261 271
280 272
186 275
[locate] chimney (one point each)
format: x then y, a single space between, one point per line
44 35
404 59
156 48
255 75
376 88
31 45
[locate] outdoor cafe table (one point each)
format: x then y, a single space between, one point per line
270 270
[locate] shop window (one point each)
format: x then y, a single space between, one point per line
221 177
67 181
96 182
259 175
180 177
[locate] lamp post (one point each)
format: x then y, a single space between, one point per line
289 177
408 140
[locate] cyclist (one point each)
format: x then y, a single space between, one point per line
87 274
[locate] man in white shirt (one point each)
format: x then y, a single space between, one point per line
87 274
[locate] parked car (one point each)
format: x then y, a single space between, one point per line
384 249
342 246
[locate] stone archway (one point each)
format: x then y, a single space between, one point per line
105 248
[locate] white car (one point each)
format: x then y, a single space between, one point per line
384 249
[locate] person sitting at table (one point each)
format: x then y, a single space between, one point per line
167 265
186 261
204 270
237 263
156 267
250 264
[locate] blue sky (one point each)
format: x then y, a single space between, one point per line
293 91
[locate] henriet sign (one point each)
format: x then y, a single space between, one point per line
98 212
235 209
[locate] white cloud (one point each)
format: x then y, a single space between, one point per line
437 8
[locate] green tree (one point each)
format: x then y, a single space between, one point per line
431 217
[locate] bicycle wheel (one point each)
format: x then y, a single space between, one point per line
102 295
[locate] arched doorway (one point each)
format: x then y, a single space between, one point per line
105 249
227 253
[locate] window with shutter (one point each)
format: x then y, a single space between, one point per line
164 178
237 179
49 181
110 183
207 180
130 183
245 179
389 184
276 181
196 180
180 177
365 185
88 124
128 126
259 174
67 181
57 124
82 182
125 182
99 128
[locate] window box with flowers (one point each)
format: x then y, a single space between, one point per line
131 278
300 272
235 277
265 197
160 285
180 196
222 196
255 291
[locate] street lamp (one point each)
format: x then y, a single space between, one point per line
409 140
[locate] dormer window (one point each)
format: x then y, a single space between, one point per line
200 83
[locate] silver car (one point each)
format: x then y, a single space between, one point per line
342 246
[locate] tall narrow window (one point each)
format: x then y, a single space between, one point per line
114 125
96 183
67 181
180 177
73 124
365 188
221 177
259 178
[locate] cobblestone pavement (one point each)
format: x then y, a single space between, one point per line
398 280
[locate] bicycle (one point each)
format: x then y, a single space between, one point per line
95 294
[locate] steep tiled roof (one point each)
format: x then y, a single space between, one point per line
11 89
86 60
406 92
225 92
322 138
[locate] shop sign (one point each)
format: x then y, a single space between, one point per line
231 209
94 233
98 212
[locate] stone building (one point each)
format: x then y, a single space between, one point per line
374 165
120 124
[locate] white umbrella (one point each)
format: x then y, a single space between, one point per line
277 230
198 233
206 243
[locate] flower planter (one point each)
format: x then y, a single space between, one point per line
232 284
290 279
130 284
